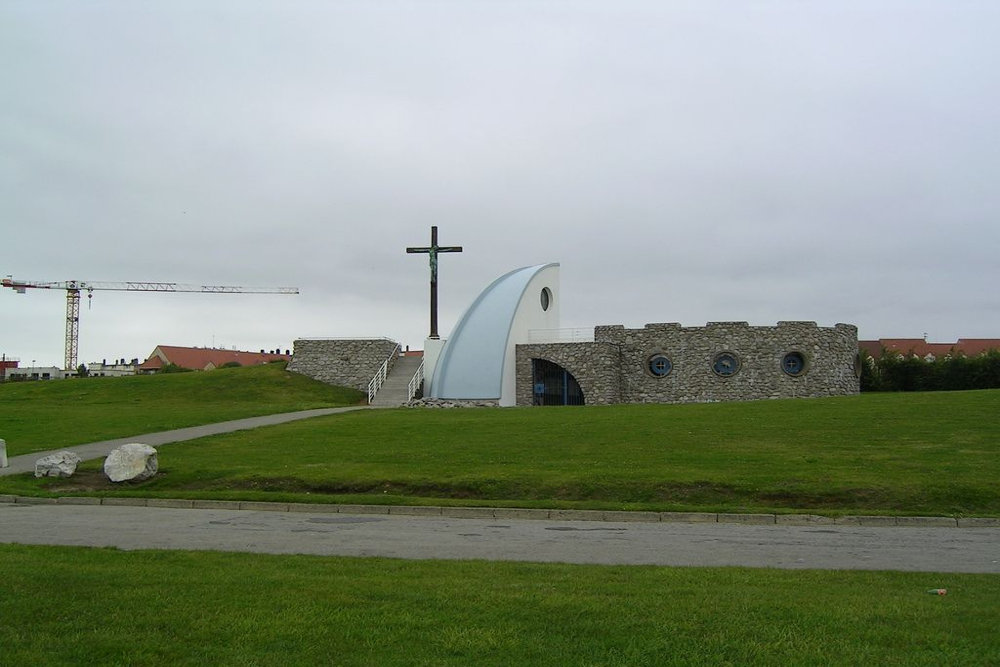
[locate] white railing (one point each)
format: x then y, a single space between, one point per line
561 335
383 372
415 381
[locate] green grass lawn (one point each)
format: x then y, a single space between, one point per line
935 453
882 453
36 416
68 605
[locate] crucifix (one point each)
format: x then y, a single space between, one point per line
433 251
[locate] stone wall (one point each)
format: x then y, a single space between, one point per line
345 363
722 361
594 365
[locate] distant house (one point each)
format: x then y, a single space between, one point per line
36 373
918 347
205 358
6 364
118 368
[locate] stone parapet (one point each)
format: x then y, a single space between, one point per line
345 363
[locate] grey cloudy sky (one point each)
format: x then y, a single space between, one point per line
684 161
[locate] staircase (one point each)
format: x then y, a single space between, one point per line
395 388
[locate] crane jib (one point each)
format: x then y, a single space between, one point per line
74 287
145 286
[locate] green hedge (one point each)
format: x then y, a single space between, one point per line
892 372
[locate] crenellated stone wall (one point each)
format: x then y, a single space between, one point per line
722 361
345 363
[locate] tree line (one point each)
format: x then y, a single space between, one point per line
893 372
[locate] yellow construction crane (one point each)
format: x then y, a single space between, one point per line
75 287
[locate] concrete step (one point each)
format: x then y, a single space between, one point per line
394 389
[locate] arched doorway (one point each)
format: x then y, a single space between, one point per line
554 385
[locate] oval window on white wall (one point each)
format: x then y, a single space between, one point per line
546 298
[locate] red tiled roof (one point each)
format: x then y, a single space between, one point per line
203 358
973 346
872 347
154 363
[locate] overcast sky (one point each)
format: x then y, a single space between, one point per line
685 162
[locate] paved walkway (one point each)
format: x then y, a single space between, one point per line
317 530
96 450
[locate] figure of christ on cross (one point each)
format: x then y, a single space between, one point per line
433 251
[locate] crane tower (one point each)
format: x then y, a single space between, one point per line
73 289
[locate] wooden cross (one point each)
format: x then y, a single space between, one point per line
433 251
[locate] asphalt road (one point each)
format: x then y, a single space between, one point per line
923 549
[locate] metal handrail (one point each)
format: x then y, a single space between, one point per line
415 381
383 372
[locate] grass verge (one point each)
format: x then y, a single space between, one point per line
103 606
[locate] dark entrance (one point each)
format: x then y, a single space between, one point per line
554 385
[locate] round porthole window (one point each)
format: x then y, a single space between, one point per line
660 366
726 364
793 363
546 298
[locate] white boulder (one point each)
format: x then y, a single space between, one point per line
132 462
61 464
3 454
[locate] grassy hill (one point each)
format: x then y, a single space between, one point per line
35 416
930 453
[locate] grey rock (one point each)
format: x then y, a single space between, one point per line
451 403
131 462
60 464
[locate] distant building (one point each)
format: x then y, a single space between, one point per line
206 358
118 368
37 373
919 347
5 365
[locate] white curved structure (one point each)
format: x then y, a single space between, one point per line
478 360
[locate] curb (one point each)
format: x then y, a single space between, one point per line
517 513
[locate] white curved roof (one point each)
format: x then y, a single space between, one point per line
479 356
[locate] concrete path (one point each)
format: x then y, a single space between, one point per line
96 450
837 547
